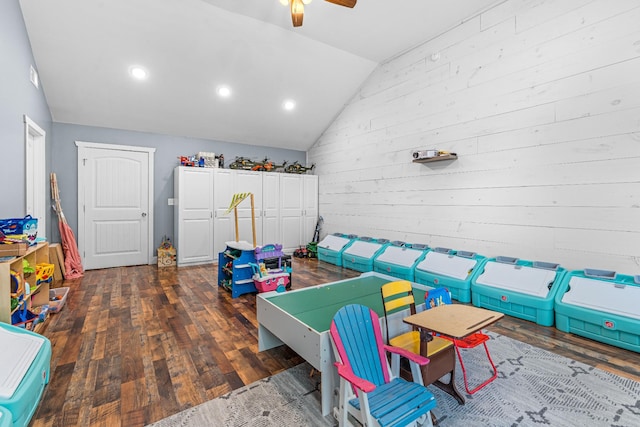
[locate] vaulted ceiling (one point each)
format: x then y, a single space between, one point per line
84 50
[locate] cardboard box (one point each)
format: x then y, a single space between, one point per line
13 249
166 257
56 257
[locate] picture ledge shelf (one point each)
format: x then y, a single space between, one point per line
451 156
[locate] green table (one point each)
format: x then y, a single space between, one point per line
301 319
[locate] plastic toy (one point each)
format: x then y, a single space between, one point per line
298 168
243 163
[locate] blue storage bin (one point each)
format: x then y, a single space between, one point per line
27 226
399 259
444 267
330 248
24 400
360 254
523 289
600 305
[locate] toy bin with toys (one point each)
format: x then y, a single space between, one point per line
57 298
20 229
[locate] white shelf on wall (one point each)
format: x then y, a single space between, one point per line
451 156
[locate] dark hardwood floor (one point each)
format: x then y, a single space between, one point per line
136 344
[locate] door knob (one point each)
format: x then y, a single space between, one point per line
144 214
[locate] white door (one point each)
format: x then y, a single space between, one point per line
291 211
193 194
310 205
115 218
270 208
35 170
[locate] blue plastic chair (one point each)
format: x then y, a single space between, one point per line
369 391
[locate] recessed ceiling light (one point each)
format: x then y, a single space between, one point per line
224 91
289 105
138 72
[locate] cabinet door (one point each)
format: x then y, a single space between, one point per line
310 205
291 211
270 208
223 191
228 182
193 188
249 182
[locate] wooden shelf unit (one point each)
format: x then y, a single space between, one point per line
39 293
451 156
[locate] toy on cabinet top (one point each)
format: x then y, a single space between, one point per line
296 167
268 166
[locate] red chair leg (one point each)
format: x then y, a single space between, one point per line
464 371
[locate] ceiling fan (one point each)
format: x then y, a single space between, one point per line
297 8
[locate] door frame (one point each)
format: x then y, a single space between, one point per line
81 188
35 174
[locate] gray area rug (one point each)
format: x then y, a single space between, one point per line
534 388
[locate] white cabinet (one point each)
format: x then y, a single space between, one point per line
310 204
193 215
298 209
270 208
285 206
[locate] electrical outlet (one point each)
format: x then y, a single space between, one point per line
172 201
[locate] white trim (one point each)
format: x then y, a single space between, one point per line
114 147
151 215
35 189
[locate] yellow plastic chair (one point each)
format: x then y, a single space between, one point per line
398 296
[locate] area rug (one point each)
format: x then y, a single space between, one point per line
534 388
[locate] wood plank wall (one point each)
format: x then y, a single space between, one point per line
541 102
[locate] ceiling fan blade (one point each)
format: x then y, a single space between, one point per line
346 3
297 12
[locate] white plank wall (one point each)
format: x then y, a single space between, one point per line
541 102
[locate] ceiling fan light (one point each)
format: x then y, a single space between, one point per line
306 1
284 2
297 12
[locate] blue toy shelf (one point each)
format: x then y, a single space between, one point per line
523 289
234 268
444 267
399 259
600 305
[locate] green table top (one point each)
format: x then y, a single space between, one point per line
316 306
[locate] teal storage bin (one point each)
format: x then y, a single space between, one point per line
444 267
23 402
399 259
600 305
5 418
330 248
523 289
360 254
